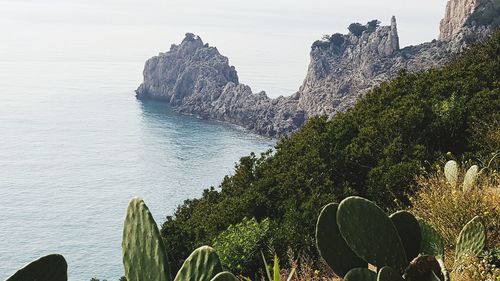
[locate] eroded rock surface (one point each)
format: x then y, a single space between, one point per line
196 79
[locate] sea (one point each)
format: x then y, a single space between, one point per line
75 143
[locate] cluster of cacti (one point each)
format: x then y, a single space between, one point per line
145 257
356 232
47 268
451 172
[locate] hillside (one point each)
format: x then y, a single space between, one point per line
375 150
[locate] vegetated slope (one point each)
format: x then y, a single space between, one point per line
374 150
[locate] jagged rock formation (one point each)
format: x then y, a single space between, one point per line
196 79
457 13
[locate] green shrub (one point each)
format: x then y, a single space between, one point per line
375 150
239 245
357 29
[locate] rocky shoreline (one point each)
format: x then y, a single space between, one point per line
196 79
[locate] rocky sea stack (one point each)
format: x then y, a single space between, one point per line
196 79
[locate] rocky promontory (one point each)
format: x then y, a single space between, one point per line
196 79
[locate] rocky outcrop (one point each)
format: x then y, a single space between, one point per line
457 13
189 69
196 79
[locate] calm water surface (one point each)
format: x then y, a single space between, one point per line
75 146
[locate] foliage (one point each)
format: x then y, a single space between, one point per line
373 24
374 150
276 271
239 245
357 29
337 39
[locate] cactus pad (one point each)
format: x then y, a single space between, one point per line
202 265
48 268
370 233
451 173
225 276
471 239
432 242
423 268
360 274
409 232
387 273
332 246
144 255
470 178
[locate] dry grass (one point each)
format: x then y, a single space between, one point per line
306 271
477 269
449 210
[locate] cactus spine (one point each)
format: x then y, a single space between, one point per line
470 178
202 265
432 242
471 240
144 255
332 246
47 268
451 173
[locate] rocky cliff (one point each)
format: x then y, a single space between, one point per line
196 79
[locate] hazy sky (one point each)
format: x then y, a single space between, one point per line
272 34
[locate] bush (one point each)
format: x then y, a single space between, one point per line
357 29
337 39
239 245
375 150
372 25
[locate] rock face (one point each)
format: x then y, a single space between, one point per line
196 79
457 13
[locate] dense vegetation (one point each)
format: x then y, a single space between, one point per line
375 150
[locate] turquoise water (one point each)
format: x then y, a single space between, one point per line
76 146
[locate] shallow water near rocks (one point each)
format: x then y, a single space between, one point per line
75 149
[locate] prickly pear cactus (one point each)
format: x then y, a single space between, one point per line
48 268
470 178
388 273
332 246
370 233
360 274
225 276
409 232
451 173
422 268
144 255
432 242
471 239
202 265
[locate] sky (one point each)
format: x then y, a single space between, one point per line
260 37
